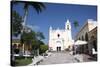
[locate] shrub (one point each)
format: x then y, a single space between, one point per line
43 48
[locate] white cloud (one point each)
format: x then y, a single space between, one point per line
34 27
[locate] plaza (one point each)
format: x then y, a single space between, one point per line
58 58
61 57
55 36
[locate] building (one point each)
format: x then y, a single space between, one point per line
92 40
60 39
18 48
84 33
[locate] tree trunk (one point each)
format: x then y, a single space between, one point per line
23 28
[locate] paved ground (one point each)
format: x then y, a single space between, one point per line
58 58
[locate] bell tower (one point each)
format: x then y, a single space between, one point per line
68 29
67 25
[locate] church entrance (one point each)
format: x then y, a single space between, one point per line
58 48
58 45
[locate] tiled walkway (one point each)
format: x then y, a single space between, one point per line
58 58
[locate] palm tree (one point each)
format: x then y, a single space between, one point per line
38 6
16 23
27 38
16 27
40 36
37 42
76 24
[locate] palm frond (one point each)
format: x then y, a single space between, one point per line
36 5
76 24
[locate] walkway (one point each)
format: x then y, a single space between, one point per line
58 58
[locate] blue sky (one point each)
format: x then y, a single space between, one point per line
56 15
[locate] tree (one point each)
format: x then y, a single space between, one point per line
27 38
35 46
36 43
40 36
38 6
16 25
76 24
43 48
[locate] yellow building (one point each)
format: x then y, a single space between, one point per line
84 33
92 40
18 48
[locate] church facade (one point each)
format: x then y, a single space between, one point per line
60 39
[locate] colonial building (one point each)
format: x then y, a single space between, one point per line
92 40
18 48
84 33
60 39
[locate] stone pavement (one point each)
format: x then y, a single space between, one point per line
83 58
58 58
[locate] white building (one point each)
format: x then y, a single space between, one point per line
60 39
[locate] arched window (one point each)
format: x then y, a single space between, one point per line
92 37
58 35
86 36
68 27
82 38
19 45
95 45
14 46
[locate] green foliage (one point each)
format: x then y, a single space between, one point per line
35 45
31 38
40 42
40 35
76 24
23 61
43 48
37 42
38 6
16 23
27 37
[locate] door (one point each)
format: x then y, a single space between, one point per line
58 48
58 45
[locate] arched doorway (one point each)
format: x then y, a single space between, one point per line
58 46
86 37
15 49
86 46
82 38
95 45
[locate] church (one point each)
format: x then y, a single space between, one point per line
60 39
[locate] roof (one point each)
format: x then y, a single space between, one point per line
93 29
15 41
89 21
80 42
